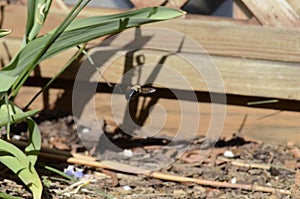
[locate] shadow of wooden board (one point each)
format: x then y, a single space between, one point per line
267 125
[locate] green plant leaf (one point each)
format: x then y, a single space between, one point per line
34 143
84 30
37 11
60 173
7 196
18 162
16 114
4 32
23 76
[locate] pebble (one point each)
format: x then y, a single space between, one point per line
228 154
127 188
179 193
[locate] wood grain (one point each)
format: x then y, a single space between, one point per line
271 126
240 76
248 41
240 11
219 36
176 3
252 61
295 4
275 13
144 4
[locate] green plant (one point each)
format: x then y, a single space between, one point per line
34 50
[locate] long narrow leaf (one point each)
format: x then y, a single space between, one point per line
16 115
7 196
8 108
6 81
84 30
4 32
60 173
33 149
17 161
71 60
37 11
55 34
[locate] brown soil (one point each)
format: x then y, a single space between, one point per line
271 168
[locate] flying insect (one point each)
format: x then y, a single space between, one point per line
136 90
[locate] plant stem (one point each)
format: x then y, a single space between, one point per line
55 77
8 117
57 32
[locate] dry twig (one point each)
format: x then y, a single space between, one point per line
250 164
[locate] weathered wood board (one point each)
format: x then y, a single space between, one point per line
275 13
295 4
219 36
240 76
252 61
261 124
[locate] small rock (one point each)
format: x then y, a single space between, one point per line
127 188
16 137
179 193
233 180
228 154
127 153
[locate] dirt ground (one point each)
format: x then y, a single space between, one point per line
235 168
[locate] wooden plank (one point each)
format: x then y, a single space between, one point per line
240 76
295 4
275 13
49 67
144 4
229 39
259 78
256 77
240 11
219 36
150 3
270 126
243 40
176 3
3 3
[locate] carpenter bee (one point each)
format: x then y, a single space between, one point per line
136 90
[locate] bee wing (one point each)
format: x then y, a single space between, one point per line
148 90
130 94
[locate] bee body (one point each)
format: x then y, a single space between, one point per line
133 92
136 90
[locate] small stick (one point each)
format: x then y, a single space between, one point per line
249 164
211 183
